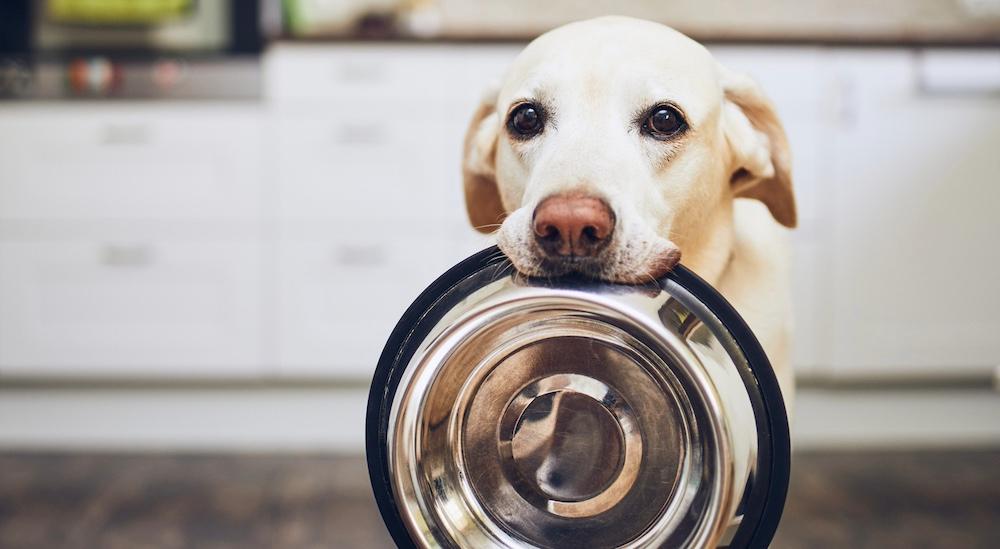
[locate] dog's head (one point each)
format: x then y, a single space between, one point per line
612 144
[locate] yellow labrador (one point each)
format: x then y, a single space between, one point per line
615 146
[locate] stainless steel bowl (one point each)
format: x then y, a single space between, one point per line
514 412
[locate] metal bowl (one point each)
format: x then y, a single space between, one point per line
514 412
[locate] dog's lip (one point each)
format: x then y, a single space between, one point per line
571 262
665 263
575 260
558 266
596 267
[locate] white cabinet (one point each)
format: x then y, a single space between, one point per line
184 239
895 168
339 299
303 74
130 308
914 186
129 161
372 167
130 240
342 289
286 238
368 143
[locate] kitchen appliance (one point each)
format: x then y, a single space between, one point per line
140 26
144 49
516 412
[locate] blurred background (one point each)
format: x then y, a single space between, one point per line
213 212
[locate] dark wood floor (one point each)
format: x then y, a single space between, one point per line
849 500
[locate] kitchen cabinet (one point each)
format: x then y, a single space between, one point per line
99 161
913 178
134 309
368 143
339 299
130 240
286 238
361 166
303 75
894 168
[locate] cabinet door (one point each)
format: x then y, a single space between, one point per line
369 192
915 201
376 132
126 161
302 74
361 166
339 298
150 308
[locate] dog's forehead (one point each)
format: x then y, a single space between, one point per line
615 57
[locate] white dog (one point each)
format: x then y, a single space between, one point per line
614 146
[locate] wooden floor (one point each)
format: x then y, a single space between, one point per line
843 500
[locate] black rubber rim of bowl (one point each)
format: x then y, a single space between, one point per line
765 501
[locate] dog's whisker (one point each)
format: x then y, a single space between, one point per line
487 226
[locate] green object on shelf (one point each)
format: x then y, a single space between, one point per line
128 12
311 18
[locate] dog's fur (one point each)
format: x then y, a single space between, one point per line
717 193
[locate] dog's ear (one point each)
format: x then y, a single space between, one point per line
762 166
482 196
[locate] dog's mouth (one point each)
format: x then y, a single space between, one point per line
610 266
589 267
633 256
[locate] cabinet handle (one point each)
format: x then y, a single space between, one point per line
365 135
359 73
125 134
958 73
126 255
364 256
844 102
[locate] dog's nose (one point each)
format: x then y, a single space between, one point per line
573 225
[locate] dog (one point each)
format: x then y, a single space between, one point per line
614 147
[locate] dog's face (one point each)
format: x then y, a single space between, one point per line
610 147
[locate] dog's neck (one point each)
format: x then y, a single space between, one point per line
709 250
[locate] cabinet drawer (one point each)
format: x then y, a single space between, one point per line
363 167
99 162
381 72
300 72
129 308
339 301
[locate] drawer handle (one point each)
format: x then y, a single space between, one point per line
126 255
958 73
359 73
360 135
360 256
125 134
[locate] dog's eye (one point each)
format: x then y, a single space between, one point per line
664 122
525 121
